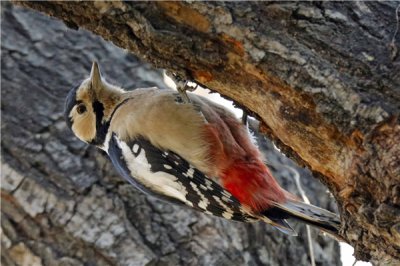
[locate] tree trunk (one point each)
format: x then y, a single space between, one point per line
62 202
322 77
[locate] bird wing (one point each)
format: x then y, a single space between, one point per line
169 177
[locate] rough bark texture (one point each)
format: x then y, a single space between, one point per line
62 202
323 78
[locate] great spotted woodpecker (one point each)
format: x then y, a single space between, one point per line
194 153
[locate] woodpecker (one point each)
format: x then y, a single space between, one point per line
193 153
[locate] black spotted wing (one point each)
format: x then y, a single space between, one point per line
146 167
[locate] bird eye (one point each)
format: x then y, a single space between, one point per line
81 109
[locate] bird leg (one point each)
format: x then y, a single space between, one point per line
244 118
181 85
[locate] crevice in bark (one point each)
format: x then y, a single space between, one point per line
319 76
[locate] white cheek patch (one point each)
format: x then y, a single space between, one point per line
84 126
159 181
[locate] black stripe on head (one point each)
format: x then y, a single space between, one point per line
70 102
101 129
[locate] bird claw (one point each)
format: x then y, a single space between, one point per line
181 85
244 118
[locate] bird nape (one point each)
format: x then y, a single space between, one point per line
188 150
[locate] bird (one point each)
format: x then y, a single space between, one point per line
194 153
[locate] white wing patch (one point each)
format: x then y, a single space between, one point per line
135 148
160 181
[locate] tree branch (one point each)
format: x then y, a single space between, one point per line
62 202
321 77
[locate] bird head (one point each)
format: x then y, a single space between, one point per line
88 107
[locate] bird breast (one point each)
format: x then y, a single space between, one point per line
168 123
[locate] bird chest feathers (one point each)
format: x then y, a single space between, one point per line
166 123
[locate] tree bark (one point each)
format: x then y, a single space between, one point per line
62 202
323 78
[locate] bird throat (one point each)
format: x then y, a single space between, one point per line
103 126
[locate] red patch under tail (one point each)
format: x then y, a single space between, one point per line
252 184
238 165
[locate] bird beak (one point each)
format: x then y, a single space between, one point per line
95 76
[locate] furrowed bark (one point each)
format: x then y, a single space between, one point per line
61 201
323 78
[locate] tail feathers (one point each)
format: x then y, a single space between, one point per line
277 218
310 214
282 225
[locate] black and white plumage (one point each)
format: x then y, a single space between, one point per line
167 176
194 154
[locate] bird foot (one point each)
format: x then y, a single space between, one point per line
244 118
181 85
